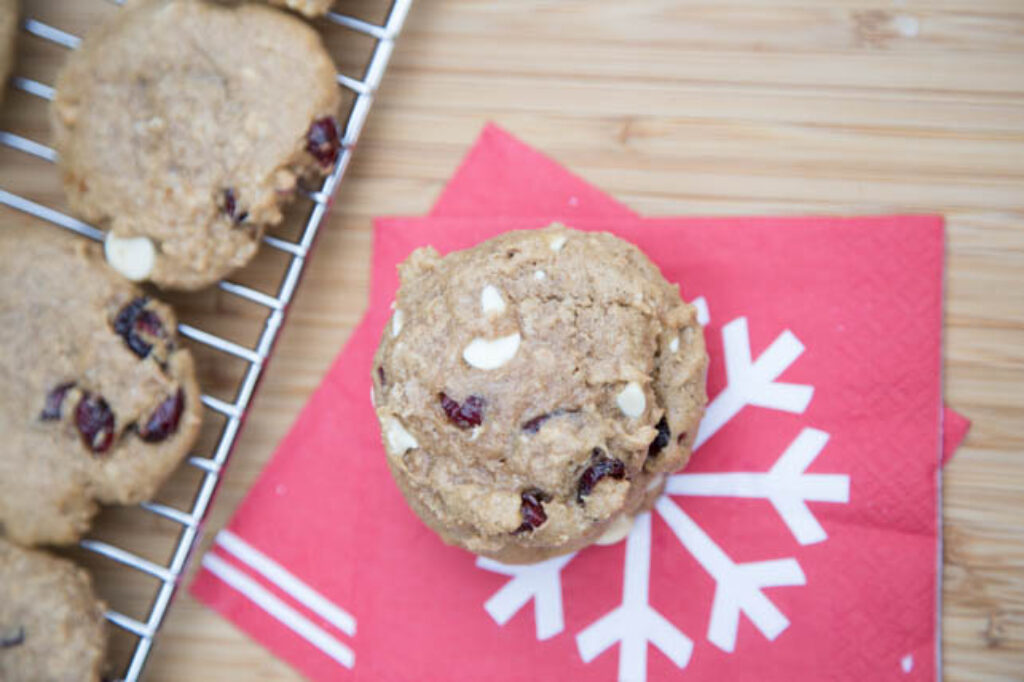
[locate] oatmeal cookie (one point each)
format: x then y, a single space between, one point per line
51 624
183 127
98 400
536 389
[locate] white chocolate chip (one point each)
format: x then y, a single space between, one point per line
133 257
491 301
631 400
373 397
539 275
673 345
491 353
616 530
475 433
558 242
396 323
399 440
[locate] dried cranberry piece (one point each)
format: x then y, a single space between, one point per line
164 420
12 637
600 466
55 401
323 141
661 440
469 414
139 327
230 205
149 323
95 422
681 438
532 509
381 375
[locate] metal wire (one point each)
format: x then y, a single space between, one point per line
364 87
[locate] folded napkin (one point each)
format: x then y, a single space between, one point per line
801 542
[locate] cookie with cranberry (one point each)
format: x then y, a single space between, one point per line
98 400
183 127
51 624
311 8
8 34
535 390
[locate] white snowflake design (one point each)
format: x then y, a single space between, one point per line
739 586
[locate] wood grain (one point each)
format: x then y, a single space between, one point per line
675 107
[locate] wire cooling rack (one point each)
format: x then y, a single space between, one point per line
275 305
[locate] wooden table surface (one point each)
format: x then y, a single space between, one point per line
719 107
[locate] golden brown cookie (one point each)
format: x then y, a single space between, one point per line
182 128
536 388
98 400
51 624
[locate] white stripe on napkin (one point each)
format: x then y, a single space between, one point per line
288 616
279 576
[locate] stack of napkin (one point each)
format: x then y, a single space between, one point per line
801 543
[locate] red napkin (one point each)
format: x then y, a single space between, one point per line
502 176
800 544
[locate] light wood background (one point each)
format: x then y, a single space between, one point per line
675 107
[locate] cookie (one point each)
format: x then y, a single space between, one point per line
311 8
8 35
98 400
535 389
183 128
51 624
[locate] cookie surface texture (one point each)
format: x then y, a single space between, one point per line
183 128
51 624
536 388
98 400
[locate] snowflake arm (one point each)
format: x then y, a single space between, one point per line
738 586
540 582
786 486
635 623
753 382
